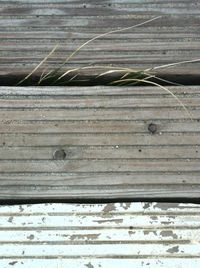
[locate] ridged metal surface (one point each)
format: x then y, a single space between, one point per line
30 29
100 235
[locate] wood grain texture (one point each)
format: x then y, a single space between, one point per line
30 29
96 142
100 235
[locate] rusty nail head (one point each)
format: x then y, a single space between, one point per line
152 128
59 154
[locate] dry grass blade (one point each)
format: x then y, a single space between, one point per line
109 72
165 66
166 81
128 81
35 69
102 35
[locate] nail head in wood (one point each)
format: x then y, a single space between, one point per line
152 128
59 154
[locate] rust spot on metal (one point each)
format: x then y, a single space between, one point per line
168 233
173 249
84 236
109 207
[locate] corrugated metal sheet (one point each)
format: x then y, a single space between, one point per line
100 235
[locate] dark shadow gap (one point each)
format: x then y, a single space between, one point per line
100 201
92 80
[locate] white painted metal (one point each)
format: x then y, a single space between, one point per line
100 235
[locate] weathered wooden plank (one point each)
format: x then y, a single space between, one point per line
87 152
62 114
150 91
102 139
115 191
110 181
118 126
100 165
98 102
29 30
98 235
102 152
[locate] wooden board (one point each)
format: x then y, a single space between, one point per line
30 29
100 235
99 142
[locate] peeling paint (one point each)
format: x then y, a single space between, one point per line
84 237
117 221
89 265
154 218
151 231
21 209
166 222
109 207
131 233
13 263
30 237
125 205
166 206
146 205
173 249
10 219
168 233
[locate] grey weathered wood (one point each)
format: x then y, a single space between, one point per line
108 152
104 152
100 235
30 29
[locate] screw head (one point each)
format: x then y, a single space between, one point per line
59 154
152 128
